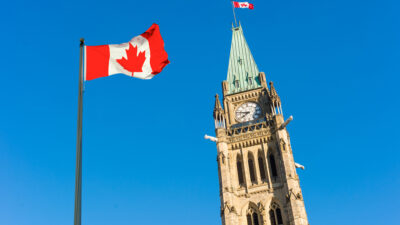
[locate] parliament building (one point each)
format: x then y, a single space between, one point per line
257 172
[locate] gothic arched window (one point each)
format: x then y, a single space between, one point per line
253 218
279 216
272 163
272 217
275 215
240 171
249 221
251 169
261 166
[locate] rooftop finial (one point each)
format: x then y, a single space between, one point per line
273 91
217 103
218 114
274 95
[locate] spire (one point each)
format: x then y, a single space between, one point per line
218 114
242 69
276 106
217 103
273 92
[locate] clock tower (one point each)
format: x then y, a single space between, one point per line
257 173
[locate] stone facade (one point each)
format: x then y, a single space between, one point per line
257 174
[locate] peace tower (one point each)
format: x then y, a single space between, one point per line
257 173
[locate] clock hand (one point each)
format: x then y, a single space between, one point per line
244 114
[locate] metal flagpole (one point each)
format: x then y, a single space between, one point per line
78 172
234 15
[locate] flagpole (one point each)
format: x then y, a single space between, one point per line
78 171
234 15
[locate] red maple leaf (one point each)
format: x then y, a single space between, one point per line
135 61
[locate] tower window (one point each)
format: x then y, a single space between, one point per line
255 219
272 217
262 167
240 173
279 216
252 218
251 170
249 222
272 163
275 215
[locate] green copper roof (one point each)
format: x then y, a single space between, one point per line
242 69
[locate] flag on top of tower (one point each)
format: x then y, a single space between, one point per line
142 57
243 5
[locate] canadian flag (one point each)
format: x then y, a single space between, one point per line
142 57
243 5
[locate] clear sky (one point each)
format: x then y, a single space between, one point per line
335 65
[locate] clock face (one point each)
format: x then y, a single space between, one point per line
248 111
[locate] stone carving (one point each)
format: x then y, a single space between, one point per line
283 145
250 135
222 155
227 206
274 206
261 208
297 196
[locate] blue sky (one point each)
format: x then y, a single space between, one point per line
335 65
